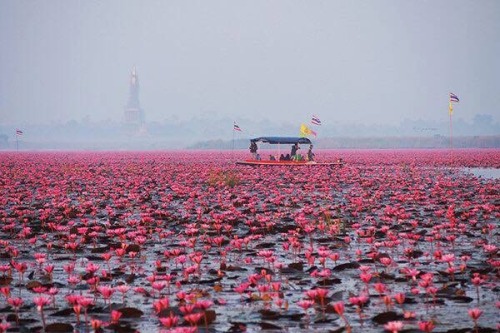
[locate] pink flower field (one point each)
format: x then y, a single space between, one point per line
187 241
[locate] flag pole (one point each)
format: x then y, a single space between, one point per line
451 130
17 142
232 148
450 111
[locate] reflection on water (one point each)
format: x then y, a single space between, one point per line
484 172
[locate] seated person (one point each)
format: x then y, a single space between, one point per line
310 154
272 158
295 147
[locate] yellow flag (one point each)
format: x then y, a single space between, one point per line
306 131
450 108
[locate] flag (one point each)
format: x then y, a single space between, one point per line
306 131
19 132
236 127
315 120
454 98
450 108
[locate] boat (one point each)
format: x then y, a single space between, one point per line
277 140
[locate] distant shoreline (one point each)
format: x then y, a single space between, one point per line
389 142
150 144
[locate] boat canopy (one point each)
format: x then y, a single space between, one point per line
281 140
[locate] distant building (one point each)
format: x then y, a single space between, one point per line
133 113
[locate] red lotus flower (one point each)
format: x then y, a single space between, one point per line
339 308
426 326
96 324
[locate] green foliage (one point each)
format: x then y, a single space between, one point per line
336 222
223 178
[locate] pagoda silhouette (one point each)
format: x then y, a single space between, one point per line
133 113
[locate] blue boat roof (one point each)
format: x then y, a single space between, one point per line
281 140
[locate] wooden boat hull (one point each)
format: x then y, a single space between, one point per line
288 163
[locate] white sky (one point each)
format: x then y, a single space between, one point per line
346 61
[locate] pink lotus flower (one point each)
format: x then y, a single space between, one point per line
169 321
40 302
380 287
187 309
400 298
161 305
475 313
92 268
4 327
115 316
409 315
358 300
204 304
15 302
365 277
394 326
5 291
193 318
305 304
106 292
85 302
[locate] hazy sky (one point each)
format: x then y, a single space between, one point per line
346 61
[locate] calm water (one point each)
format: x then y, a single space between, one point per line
484 172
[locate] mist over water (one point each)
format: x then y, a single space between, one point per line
366 70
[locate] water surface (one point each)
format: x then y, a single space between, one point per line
491 173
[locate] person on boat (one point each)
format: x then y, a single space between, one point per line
272 158
287 157
295 147
310 154
253 150
282 157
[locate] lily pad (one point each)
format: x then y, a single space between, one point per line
130 312
385 317
59 327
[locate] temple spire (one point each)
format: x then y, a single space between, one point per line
134 115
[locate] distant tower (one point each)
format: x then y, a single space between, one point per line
134 115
